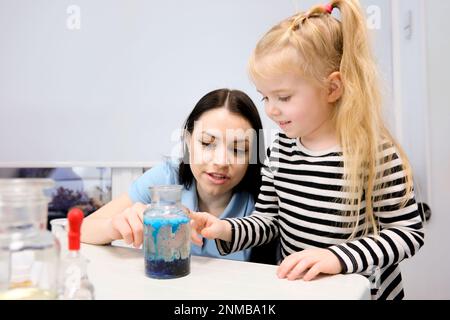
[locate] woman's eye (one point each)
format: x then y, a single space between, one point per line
206 144
284 99
264 99
240 152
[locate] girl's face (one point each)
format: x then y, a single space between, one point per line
219 149
299 108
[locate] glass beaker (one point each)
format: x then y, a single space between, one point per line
167 240
29 254
59 228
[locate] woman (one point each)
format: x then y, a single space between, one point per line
220 173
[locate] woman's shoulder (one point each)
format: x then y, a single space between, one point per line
242 204
165 172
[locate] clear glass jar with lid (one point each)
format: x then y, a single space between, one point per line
167 246
29 254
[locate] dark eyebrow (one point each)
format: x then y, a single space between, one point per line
235 141
209 134
241 140
239 143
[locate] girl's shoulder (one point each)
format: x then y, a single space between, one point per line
280 140
284 145
388 151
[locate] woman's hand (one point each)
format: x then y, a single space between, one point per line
308 264
208 226
129 225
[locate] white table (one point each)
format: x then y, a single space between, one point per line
118 273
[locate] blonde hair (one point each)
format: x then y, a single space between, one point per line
315 44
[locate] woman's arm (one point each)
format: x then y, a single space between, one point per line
97 228
122 218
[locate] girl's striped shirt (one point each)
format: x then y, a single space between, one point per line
301 203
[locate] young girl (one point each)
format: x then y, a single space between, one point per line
217 174
337 189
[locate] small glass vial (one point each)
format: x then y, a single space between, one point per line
29 254
74 282
167 246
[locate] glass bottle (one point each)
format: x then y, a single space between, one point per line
29 254
166 234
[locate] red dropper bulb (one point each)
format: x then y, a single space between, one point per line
75 218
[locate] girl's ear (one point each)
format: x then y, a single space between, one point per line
335 87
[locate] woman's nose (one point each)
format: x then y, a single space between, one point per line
221 156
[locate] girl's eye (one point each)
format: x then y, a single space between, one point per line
264 99
284 99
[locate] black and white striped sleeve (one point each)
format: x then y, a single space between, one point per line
401 230
262 225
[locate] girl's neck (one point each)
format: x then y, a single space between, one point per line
212 203
323 138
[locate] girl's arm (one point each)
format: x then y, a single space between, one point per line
401 235
259 228
208 226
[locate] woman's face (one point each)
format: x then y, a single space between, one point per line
220 148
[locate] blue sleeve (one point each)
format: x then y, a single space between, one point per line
163 174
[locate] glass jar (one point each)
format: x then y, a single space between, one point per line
167 240
29 254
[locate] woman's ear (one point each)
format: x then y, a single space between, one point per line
187 140
335 87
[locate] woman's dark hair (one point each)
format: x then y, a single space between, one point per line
239 103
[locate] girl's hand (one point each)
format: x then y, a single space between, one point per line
208 226
129 225
311 261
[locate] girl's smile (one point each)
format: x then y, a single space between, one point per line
284 124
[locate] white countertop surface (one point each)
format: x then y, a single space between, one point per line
119 273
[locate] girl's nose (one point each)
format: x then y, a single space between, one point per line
272 110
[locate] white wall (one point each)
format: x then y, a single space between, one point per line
113 92
427 275
415 69
116 91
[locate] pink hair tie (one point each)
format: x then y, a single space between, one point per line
329 8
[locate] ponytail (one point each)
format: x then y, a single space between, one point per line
315 44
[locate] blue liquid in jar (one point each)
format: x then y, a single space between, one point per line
167 246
